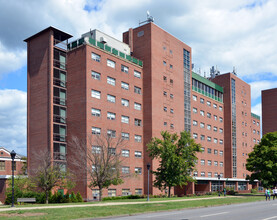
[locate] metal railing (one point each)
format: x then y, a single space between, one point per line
59 64
59 156
59 82
59 119
59 101
59 137
60 44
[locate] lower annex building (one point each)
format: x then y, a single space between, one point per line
135 89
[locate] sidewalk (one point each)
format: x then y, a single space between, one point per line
103 204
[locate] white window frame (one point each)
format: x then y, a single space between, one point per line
95 75
125 119
111 98
95 112
125 135
138 138
95 94
138 170
137 90
137 74
95 57
110 115
125 153
110 63
125 102
124 85
111 81
138 154
124 69
96 130
137 106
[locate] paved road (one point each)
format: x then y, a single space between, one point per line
254 211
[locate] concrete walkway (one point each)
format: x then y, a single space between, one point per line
105 204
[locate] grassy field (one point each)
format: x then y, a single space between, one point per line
130 209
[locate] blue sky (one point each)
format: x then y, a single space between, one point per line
240 33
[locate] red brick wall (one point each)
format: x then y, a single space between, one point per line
269 113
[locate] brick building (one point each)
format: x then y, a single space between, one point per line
136 89
269 113
6 169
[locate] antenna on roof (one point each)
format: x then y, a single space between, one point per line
149 18
91 33
234 70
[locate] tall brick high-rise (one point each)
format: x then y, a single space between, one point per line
135 89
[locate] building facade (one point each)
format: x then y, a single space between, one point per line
269 110
135 89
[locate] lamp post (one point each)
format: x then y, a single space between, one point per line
218 176
148 168
13 154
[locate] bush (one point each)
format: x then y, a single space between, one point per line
66 198
232 192
73 197
124 197
254 190
79 197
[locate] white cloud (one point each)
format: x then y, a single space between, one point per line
258 86
13 112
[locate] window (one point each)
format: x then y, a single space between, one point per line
171 125
137 138
194 97
209 127
2 165
171 81
96 130
220 141
209 162
138 191
125 119
216 163
171 111
165 123
258 132
215 106
202 112
220 119
95 94
137 74
138 122
165 109
111 192
165 93
195 135
209 150
137 106
95 75
171 96
126 192
194 110
202 149
125 102
111 133
215 174
221 164
125 135
96 112
164 63
202 100
138 170
209 174
138 154
221 153
195 173
202 125
170 66
164 78
220 108
215 117
208 103
137 90
111 151
202 162
126 170
110 63
110 115
209 115
124 69
215 129
202 137
257 123
124 85
111 81
194 123
96 149
220 130
202 173
111 98
209 139
215 140
254 131
125 153
254 140
96 57
215 152
254 122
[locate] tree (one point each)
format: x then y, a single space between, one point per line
262 161
49 175
101 155
177 156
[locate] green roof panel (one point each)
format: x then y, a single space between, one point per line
207 82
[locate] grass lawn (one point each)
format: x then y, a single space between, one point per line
92 212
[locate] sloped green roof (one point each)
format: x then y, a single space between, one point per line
207 82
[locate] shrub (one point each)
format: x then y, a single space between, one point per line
73 197
254 190
66 198
79 197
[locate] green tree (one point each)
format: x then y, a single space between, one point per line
177 156
262 161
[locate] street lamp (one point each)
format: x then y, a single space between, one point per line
218 176
148 168
13 154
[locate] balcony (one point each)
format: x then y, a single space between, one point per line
59 156
59 64
60 119
59 101
59 82
59 137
